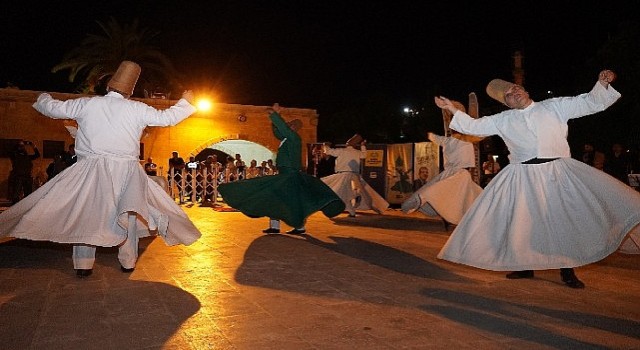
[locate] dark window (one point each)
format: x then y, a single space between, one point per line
51 148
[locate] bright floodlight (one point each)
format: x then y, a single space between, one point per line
204 105
407 109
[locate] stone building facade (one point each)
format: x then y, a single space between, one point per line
19 120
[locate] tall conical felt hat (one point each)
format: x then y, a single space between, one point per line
355 140
496 89
125 78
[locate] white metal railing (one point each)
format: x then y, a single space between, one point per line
200 185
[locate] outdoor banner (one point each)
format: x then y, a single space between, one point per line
399 172
374 168
426 163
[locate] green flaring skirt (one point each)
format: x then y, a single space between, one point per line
288 196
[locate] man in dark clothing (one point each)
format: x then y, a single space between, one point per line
56 166
70 156
20 179
617 163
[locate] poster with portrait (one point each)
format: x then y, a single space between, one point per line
426 163
399 172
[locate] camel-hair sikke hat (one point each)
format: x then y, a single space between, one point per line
355 140
295 124
496 89
125 78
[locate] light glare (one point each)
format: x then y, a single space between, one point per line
204 105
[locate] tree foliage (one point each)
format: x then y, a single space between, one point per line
98 56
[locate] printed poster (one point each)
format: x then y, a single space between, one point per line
399 172
426 163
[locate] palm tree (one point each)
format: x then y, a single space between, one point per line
98 57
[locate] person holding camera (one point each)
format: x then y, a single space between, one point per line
20 177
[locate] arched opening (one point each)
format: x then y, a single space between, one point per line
247 149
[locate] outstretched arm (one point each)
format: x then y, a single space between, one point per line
606 77
445 103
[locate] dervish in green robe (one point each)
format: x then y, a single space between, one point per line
291 195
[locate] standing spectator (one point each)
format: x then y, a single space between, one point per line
490 168
263 168
21 177
348 183
56 166
240 166
176 167
544 210
592 157
617 163
291 195
253 170
150 167
211 164
230 170
70 156
272 169
211 167
101 200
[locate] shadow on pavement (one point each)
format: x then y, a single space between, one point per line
286 263
517 320
398 223
43 305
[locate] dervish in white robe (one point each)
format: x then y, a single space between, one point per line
557 214
90 202
349 184
452 192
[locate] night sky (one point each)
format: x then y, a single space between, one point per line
325 55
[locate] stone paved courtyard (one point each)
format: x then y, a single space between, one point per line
370 282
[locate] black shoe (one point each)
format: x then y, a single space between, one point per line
82 273
297 231
270 231
570 279
520 274
126 270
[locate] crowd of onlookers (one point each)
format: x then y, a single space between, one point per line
208 174
21 178
233 168
618 162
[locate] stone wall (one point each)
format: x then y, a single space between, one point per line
18 120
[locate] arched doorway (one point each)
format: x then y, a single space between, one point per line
247 149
